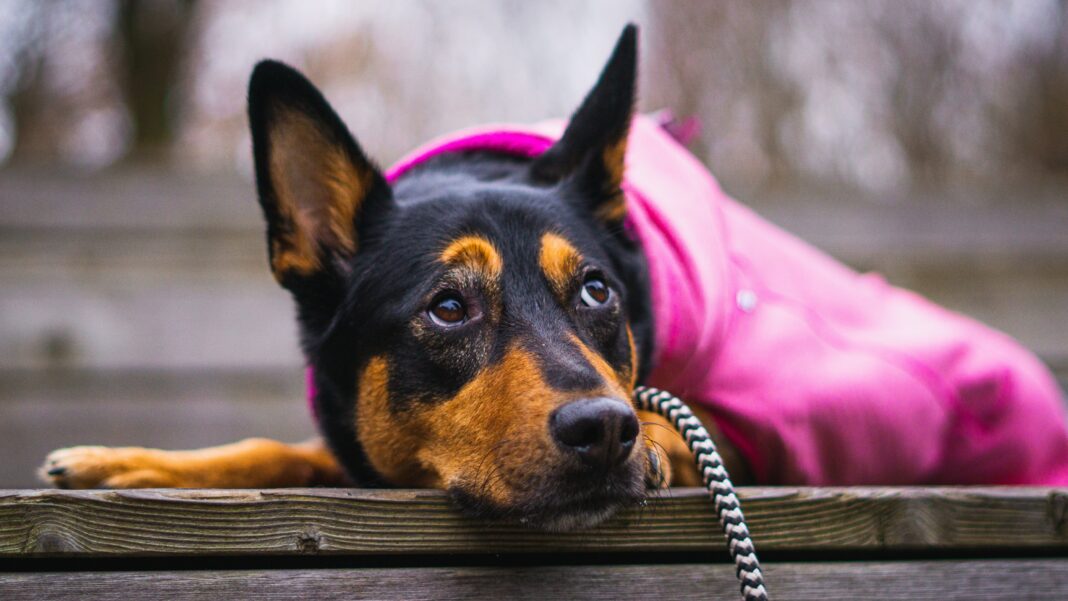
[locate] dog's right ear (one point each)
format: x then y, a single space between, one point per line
315 183
591 152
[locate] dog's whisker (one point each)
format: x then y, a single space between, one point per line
659 425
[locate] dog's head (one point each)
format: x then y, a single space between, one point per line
479 324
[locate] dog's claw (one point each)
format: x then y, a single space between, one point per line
76 467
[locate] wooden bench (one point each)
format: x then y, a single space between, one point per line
815 543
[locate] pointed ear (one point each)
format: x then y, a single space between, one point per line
593 146
315 184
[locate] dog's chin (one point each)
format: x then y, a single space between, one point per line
576 517
561 507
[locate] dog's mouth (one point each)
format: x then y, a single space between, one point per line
575 502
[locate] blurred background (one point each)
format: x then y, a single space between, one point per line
926 140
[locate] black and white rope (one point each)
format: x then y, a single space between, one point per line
718 482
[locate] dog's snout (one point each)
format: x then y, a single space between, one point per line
601 431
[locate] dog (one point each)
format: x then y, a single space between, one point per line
476 319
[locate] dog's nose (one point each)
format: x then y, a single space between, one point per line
601 431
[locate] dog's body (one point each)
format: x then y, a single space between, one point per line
476 319
766 332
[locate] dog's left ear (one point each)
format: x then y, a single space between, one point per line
591 152
316 185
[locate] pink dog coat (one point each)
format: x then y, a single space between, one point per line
817 374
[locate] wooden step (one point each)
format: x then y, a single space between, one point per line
346 521
937 580
957 543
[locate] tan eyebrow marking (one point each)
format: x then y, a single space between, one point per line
559 262
474 252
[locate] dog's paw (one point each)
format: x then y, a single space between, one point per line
658 475
104 467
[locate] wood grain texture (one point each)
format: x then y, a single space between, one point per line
1014 580
53 523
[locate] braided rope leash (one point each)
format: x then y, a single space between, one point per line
718 483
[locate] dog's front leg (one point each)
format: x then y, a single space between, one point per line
250 463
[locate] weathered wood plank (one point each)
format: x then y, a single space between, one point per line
354 521
1006 580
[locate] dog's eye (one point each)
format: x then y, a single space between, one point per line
448 309
595 292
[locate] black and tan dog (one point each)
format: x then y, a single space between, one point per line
477 326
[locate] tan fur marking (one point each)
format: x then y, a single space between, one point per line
490 433
390 441
620 383
633 375
559 261
614 209
250 463
475 253
486 439
284 260
615 161
318 191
